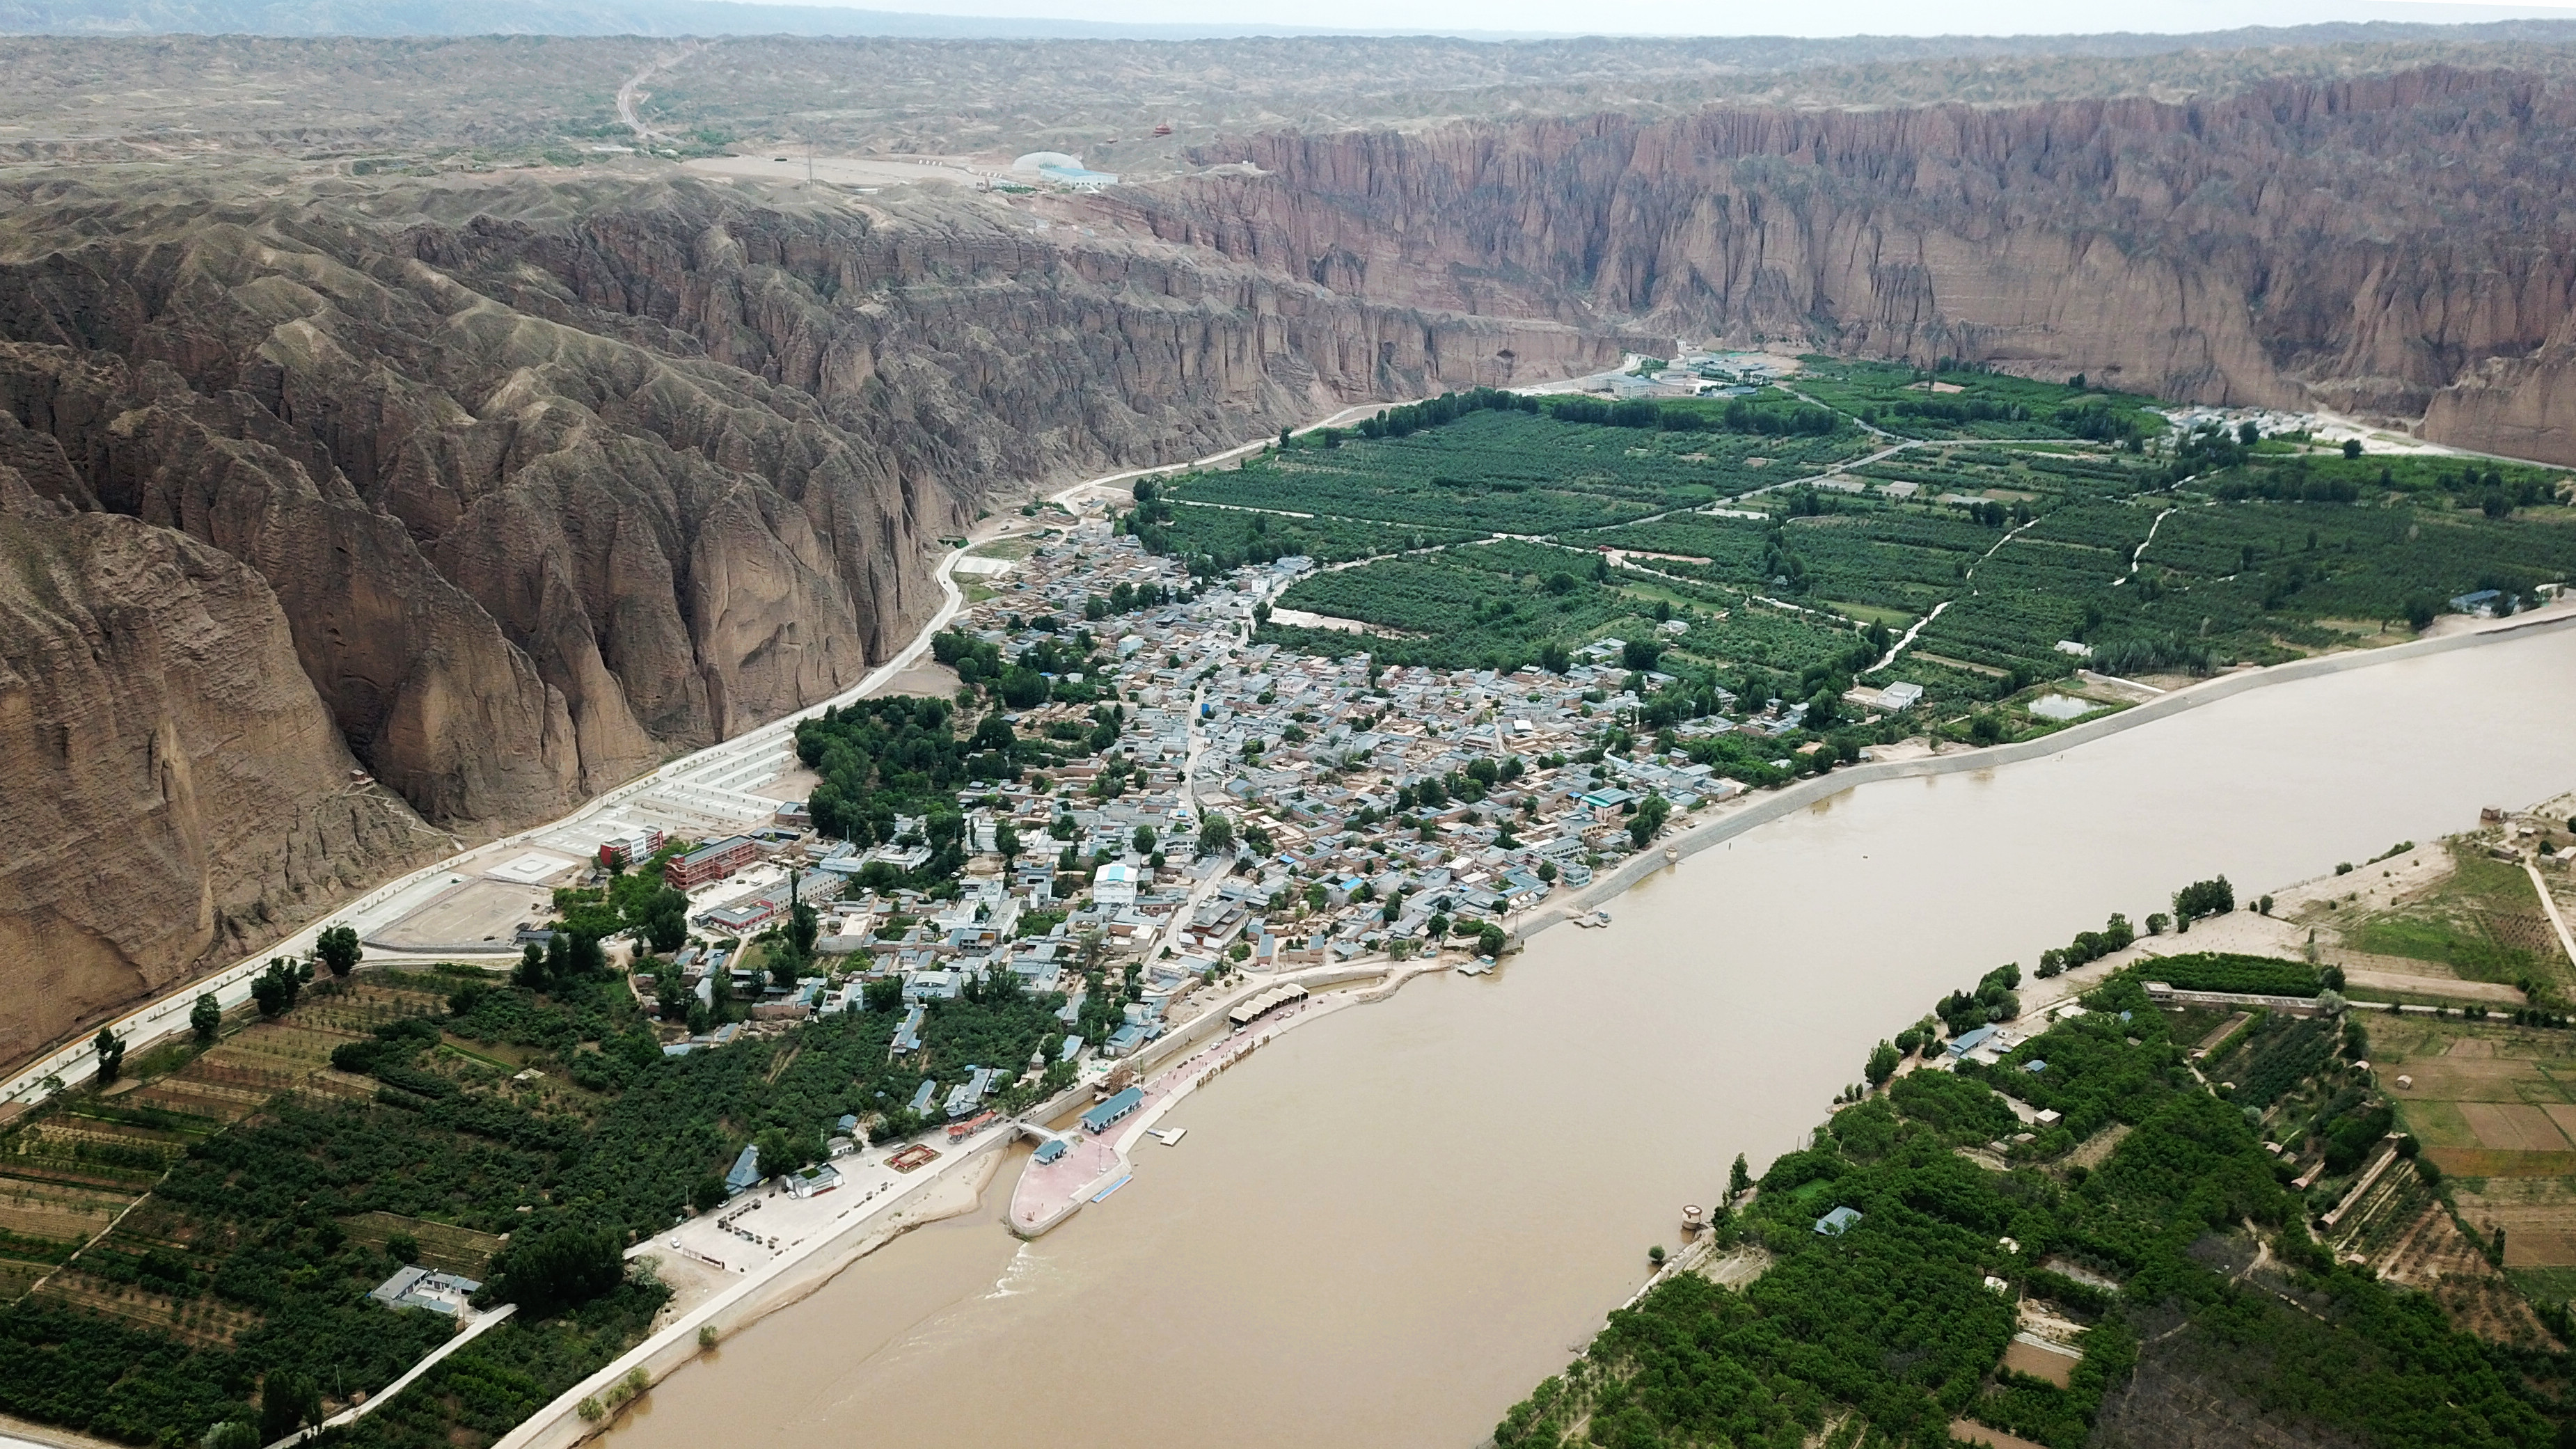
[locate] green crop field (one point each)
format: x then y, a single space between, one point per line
1511 472
1914 403
1782 527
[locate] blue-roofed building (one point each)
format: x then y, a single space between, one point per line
921 1098
1124 1040
1050 1150
1100 1118
1072 1048
1968 1041
2034 1067
907 1037
1605 801
746 1172
1838 1222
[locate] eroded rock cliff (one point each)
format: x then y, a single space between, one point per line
2394 245
544 483
177 794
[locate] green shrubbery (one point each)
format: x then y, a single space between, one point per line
2227 971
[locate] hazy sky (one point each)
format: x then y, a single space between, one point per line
1740 17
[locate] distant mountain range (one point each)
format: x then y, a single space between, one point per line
2263 22
560 17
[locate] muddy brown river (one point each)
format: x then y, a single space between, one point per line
1385 1230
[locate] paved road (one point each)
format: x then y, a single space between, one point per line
632 92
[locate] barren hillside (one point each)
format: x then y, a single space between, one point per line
542 457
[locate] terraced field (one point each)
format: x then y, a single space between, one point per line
86 1165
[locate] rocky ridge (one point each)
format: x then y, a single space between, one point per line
2393 245
177 792
544 483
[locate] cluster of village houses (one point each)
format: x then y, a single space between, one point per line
1303 756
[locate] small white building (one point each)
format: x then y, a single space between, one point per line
1115 884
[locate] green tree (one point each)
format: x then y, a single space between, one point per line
276 987
1650 817
777 1155
672 997
287 1402
2352 447
1739 1179
531 970
1489 940
558 1268
1143 839
111 1056
2213 897
884 995
1006 842
337 948
206 1019
804 928
1882 1063
665 920
1552 656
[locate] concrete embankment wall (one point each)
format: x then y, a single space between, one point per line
1767 808
1181 1040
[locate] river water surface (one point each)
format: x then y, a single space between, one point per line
1386 1229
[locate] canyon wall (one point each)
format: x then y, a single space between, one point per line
510 491
543 479
2396 245
176 791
